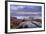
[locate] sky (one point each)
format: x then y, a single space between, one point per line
25 8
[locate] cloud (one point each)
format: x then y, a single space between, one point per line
28 8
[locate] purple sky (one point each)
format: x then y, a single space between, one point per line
27 8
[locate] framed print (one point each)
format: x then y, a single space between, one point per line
21 16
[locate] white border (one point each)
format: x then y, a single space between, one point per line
29 29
